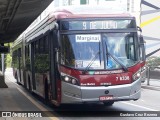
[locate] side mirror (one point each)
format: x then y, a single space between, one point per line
142 45
142 48
139 29
141 40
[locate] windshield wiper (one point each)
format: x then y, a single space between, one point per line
109 54
91 62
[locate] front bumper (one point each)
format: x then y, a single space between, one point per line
80 94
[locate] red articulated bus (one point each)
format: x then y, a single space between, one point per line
81 55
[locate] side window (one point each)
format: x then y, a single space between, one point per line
19 52
41 45
131 48
27 57
20 57
14 59
46 44
36 47
41 57
26 50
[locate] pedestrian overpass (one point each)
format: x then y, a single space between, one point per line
17 15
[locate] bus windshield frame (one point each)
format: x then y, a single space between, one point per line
81 49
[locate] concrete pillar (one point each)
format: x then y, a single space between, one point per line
2 58
2 81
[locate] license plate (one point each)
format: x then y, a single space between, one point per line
103 98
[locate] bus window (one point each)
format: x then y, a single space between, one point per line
46 45
41 45
79 53
122 48
36 47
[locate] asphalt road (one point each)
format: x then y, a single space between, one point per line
155 74
16 98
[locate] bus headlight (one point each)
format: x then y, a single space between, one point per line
137 75
143 68
66 79
74 81
69 79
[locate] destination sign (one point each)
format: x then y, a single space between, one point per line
98 24
88 38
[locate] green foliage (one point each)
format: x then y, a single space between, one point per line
153 61
15 62
8 60
41 63
28 63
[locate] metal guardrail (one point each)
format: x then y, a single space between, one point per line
148 74
149 68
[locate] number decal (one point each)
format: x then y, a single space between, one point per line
123 78
84 26
116 78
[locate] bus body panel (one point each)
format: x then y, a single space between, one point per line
90 89
98 77
106 80
76 94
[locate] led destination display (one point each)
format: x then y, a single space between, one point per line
102 24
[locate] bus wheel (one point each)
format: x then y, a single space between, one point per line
108 103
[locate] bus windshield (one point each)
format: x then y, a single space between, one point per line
82 50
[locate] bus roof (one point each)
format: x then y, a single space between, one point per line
84 11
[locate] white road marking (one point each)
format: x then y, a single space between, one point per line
142 100
150 109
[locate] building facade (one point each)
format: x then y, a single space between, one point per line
132 6
123 3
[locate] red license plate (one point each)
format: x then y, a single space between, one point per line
102 98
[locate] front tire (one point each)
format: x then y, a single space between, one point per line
108 103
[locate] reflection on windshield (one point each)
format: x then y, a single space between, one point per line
78 51
122 47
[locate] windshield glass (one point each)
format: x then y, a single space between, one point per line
89 50
79 50
122 46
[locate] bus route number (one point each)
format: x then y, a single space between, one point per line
99 25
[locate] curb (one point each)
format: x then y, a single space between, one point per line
154 84
151 88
